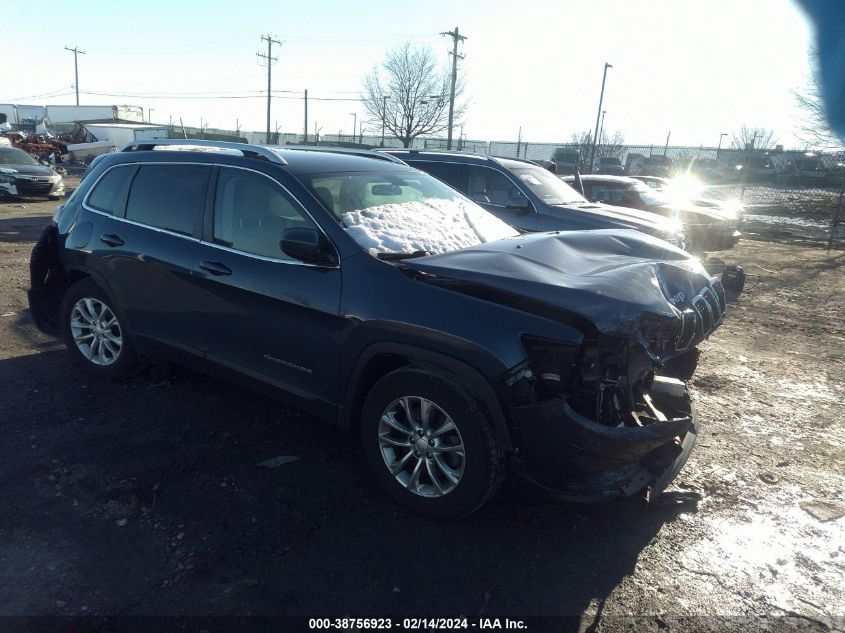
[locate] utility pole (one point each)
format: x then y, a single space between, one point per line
269 59
305 139
598 114
456 38
518 141
384 99
76 53
601 129
150 115
719 146
354 124
666 147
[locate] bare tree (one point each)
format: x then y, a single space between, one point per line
608 145
410 95
813 128
753 137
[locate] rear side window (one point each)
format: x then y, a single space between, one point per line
454 175
251 212
109 195
168 197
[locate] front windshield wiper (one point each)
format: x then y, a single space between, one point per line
393 257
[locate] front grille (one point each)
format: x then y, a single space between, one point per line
708 309
35 188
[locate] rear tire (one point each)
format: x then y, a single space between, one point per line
95 333
430 444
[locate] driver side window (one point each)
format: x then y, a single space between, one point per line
251 212
488 186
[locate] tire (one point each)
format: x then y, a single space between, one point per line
450 483
104 352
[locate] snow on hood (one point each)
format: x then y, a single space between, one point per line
433 225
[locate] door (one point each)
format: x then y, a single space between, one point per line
145 243
261 312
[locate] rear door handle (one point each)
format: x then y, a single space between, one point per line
216 268
111 240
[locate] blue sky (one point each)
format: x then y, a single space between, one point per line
695 68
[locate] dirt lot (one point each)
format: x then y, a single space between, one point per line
146 497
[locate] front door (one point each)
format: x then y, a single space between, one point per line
261 312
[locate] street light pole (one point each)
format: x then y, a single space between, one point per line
354 124
598 114
601 129
150 115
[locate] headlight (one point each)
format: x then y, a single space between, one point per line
550 361
55 178
7 178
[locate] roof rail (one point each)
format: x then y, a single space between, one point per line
253 151
353 151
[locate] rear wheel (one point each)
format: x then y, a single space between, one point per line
94 333
430 444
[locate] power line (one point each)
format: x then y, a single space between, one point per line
269 59
76 53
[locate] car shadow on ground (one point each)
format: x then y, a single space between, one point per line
147 497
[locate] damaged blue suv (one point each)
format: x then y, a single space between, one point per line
375 296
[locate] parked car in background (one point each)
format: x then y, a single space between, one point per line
375 296
567 159
610 165
648 166
755 169
807 168
531 198
705 169
708 225
23 175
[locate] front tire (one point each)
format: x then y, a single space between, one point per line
430 444
94 333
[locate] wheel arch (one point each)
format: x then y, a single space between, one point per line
380 359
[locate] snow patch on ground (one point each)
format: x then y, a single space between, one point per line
434 225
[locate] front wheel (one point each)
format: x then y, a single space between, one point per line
93 332
430 444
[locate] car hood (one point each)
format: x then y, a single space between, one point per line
626 217
625 283
27 170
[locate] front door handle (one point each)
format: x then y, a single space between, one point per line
111 240
216 268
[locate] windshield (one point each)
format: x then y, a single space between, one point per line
546 185
15 156
405 212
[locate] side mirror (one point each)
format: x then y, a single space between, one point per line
306 245
523 205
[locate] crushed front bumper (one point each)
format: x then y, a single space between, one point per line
583 460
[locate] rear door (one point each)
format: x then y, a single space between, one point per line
261 312
146 243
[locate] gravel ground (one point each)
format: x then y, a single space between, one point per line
146 496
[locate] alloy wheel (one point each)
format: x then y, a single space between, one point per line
96 331
421 446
